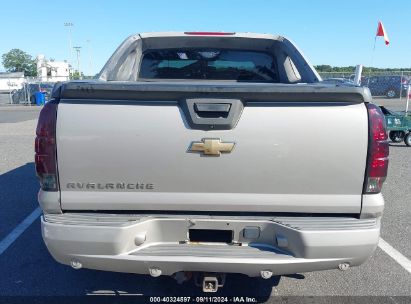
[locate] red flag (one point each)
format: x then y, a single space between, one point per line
381 32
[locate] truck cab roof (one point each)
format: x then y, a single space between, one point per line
292 66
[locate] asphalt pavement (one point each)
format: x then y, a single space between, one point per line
12 113
28 269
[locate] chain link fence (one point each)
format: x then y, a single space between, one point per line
17 89
390 84
25 91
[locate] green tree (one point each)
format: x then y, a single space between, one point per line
351 69
17 60
323 68
76 75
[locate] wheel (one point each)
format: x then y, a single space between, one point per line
407 139
397 136
391 93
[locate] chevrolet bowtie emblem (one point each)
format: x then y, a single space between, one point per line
211 146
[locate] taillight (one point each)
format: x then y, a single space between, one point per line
45 147
378 151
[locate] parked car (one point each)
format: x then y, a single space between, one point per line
389 86
338 81
188 157
20 96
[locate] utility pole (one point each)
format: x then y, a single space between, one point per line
90 65
69 25
78 48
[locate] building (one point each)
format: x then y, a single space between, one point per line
10 82
52 71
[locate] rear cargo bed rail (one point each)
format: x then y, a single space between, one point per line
157 91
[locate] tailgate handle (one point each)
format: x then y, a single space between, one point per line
212 113
212 107
212 110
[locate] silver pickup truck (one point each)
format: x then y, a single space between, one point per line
210 153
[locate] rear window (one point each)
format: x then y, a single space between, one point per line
213 64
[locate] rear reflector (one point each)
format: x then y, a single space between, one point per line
45 148
378 151
209 33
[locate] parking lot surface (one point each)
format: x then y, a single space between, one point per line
28 269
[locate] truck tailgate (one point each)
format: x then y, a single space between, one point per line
289 156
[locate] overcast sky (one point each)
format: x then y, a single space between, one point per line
337 33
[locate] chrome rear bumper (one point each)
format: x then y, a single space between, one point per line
139 244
